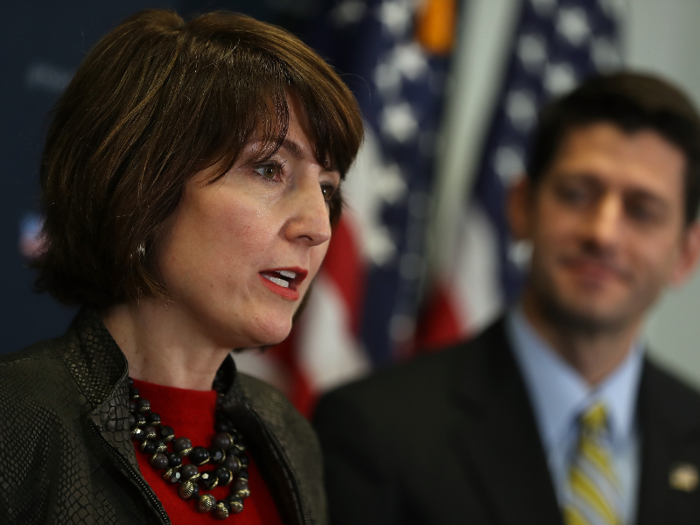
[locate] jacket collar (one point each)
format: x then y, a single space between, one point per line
101 371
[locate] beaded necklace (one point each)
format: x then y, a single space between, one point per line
167 452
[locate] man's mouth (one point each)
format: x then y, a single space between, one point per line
595 269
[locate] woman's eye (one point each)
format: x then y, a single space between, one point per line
268 171
328 191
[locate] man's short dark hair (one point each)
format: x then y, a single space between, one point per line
156 101
632 102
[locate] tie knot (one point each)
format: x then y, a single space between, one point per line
594 418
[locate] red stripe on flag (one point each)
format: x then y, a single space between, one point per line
440 324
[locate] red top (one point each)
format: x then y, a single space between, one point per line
191 414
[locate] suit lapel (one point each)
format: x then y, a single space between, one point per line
499 439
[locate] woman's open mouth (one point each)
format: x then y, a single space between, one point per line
284 281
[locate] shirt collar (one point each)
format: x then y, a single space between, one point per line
559 393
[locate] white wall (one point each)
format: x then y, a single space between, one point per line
663 36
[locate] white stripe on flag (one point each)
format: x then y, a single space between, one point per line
475 274
328 353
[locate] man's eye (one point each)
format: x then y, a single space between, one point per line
328 191
572 195
641 213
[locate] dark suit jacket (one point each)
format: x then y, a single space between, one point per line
451 439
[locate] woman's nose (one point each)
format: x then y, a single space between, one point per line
310 219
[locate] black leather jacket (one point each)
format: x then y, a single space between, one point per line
65 451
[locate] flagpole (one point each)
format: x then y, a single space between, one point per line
479 63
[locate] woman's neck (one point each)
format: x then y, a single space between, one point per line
162 346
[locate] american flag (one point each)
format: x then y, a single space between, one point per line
556 44
394 55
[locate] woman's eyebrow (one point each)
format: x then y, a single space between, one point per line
293 148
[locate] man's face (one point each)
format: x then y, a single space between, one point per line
607 226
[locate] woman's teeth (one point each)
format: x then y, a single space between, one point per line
279 282
284 283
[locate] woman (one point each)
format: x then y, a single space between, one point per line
189 182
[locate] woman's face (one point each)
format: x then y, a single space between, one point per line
241 252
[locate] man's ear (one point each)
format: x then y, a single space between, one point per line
689 254
519 208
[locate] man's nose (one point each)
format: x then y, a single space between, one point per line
309 220
605 221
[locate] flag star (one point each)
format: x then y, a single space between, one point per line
379 246
559 78
399 122
395 16
374 184
387 79
410 60
508 163
521 108
605 54
532 51
348 12
572 24
520 252
390 186
543 7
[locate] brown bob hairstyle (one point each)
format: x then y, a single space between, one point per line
154 102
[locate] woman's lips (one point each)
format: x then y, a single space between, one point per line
284 281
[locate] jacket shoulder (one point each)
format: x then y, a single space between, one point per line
43 350
39 403
672 395
38 392
36 374
424 381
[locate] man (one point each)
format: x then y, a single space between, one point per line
553 415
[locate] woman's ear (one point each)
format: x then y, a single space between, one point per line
519 208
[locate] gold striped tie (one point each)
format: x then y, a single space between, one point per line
595 496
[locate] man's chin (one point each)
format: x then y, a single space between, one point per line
585 318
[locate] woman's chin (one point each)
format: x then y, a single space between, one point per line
270 333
